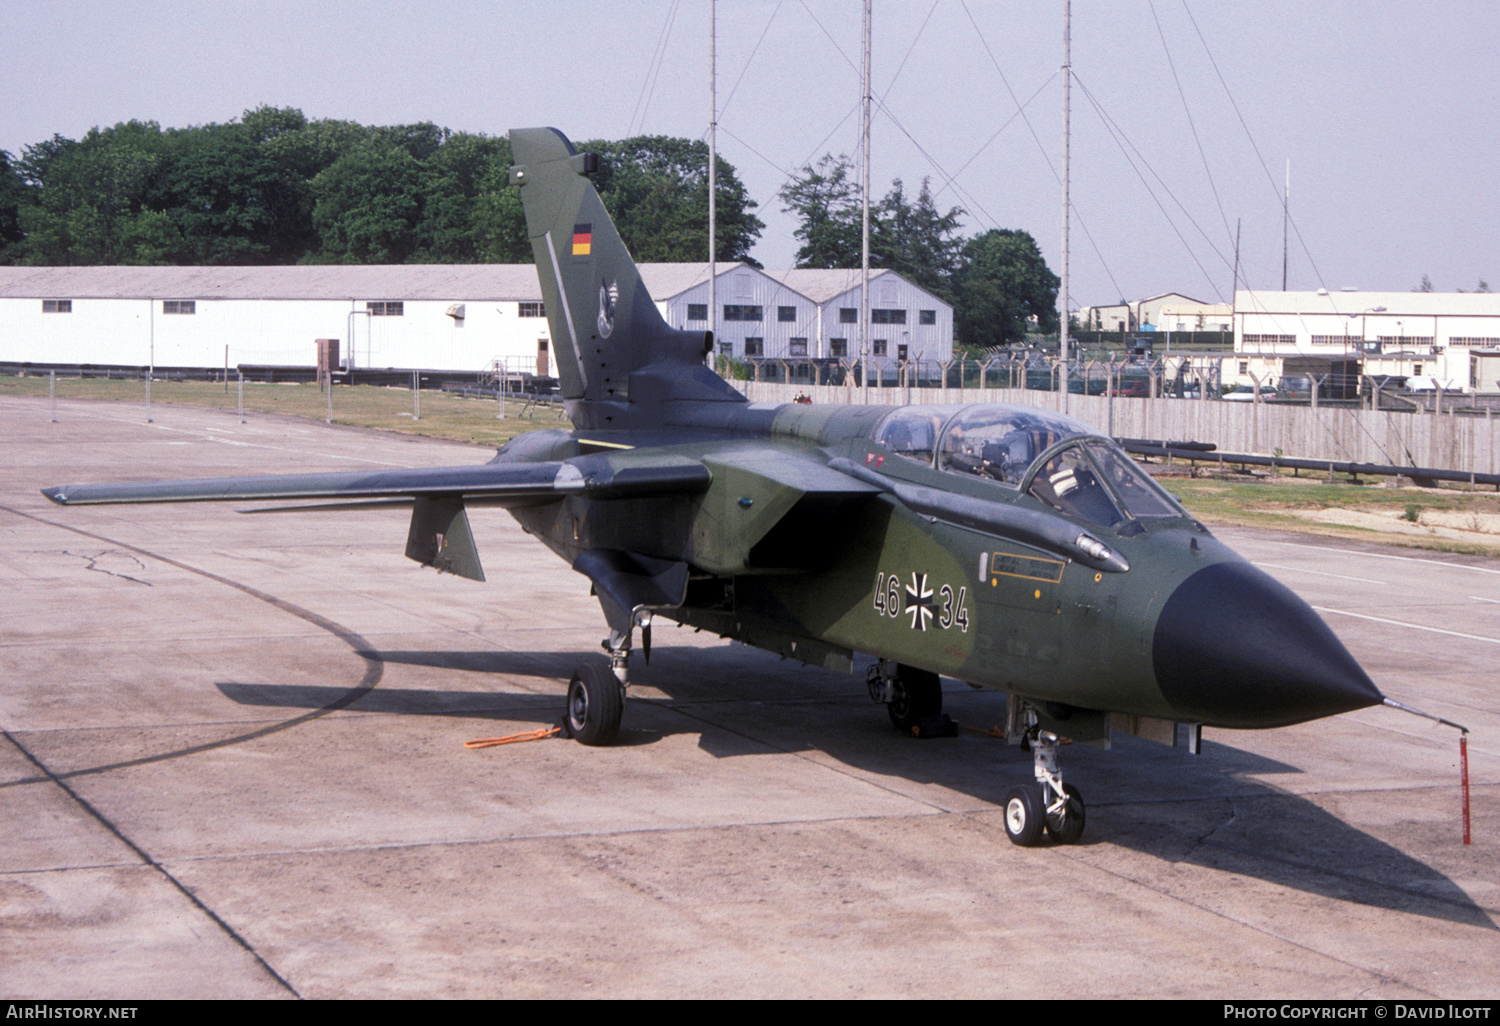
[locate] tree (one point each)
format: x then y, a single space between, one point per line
12 197
1001 284
1426 285
367 206
656 190
218 188
915 240
85 195
826 202
456 178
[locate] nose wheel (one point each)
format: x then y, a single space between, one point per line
1049 805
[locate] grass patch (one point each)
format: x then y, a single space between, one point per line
1274 501
369 406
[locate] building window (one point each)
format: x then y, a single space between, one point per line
1416 369
796 347
57 306
388 308
726 349
1401 341
848 315
1335 340
527 309
838 347
754 346
697 311
926 316
734 312
1270 340
877 347
179 306
786 313
901 352
887 316
1473 340
1244 366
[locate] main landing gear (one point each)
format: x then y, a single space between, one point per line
909 694
596 695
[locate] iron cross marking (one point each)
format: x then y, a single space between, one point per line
919 602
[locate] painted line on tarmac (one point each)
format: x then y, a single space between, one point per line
1318 573
1386 555
1413 626
374 665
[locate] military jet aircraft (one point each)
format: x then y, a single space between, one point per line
1002 545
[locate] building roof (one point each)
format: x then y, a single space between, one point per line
664 281
376 281
822 284
1353 304
315 281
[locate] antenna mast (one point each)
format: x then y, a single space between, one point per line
1286 205
713 162
1062 299
864 217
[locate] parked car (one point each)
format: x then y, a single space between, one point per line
1246 394
1136 389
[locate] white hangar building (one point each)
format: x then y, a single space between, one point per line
441 317
1413 334
805 312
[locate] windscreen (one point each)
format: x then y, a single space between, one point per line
1001 442
912 431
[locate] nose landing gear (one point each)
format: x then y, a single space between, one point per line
1049 804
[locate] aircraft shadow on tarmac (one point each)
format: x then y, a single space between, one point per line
1207 811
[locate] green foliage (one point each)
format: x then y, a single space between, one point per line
277 188
12 195
826 201
913 239
1002 281
656 189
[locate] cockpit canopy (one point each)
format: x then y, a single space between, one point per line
1090 479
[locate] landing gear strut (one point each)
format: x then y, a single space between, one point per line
909 694
1049 804
596 696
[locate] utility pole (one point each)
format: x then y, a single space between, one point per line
1286 204
1062 299
864 217
713 167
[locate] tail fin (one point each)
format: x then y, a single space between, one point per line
604 325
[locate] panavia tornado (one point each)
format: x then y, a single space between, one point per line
1005 546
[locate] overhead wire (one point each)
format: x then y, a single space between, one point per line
1021 111
653 71
1120 139
1203 156
753 51
1251 137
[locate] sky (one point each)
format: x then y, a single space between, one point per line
1185 114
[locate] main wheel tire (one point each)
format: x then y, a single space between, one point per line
918 693
1023 816
595 703
1066 825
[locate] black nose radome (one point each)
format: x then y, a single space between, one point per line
1236 648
